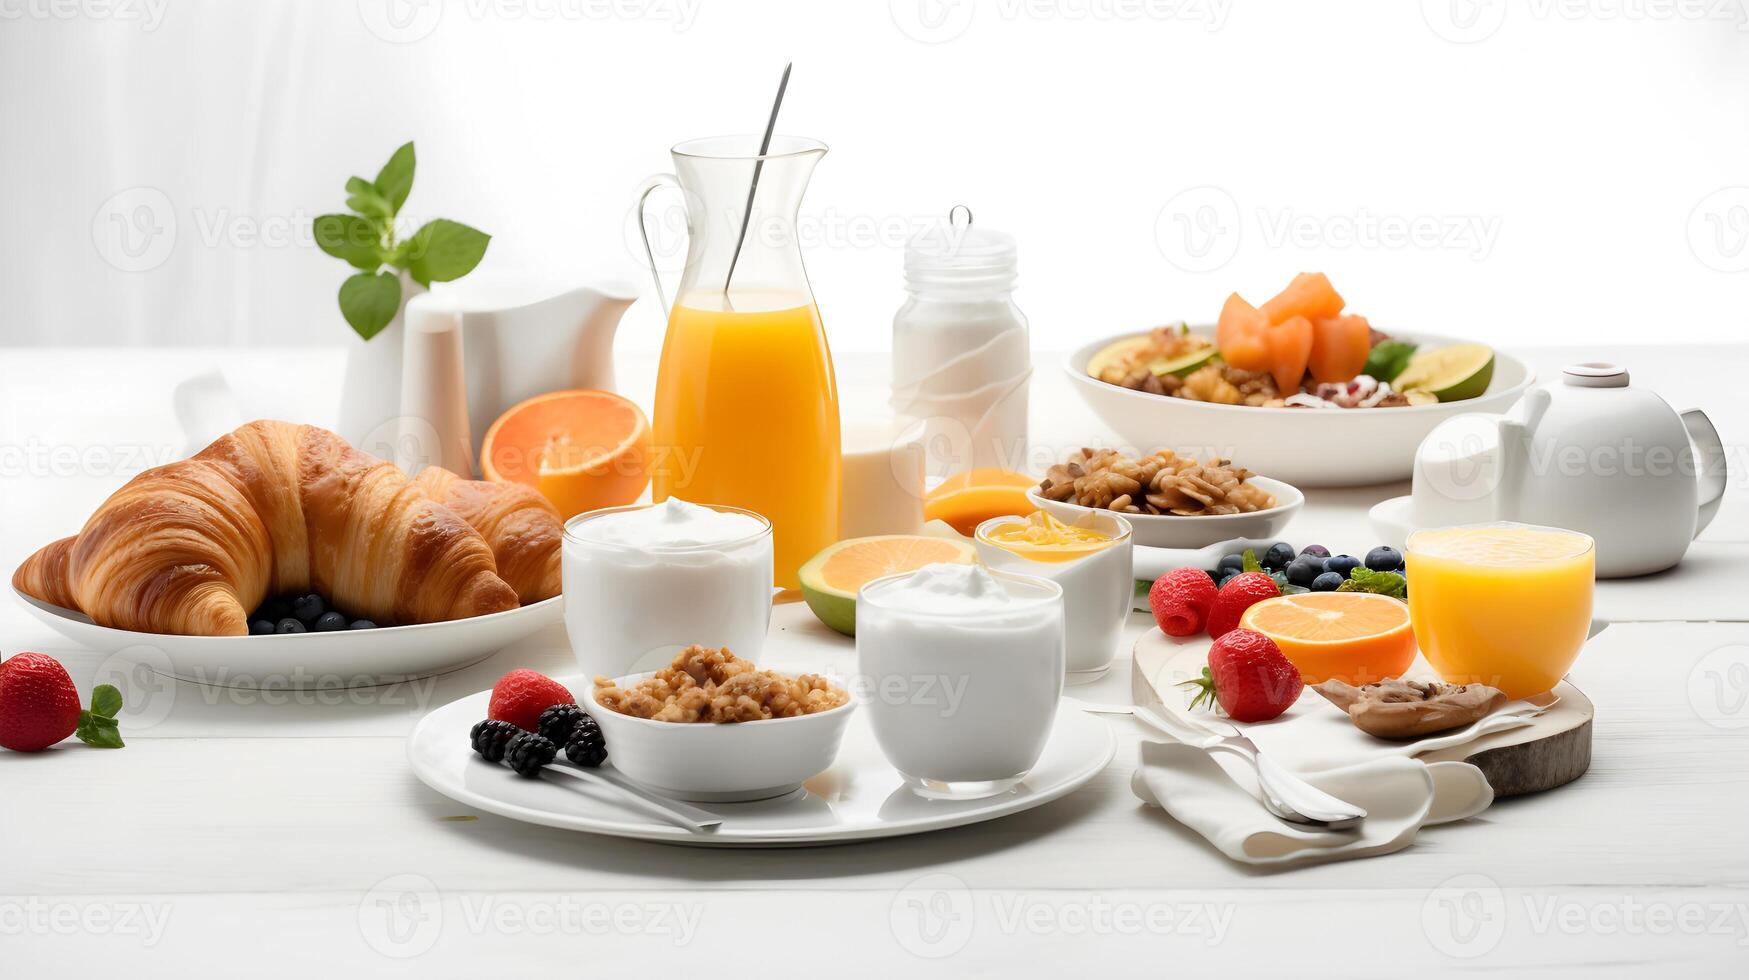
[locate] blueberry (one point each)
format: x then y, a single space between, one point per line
1383 559
289 625
260 627
1214 574
309 608
330 621
1316 550
362 624
275 608
1231 563
1327 582
1341 564
1278 556
1304 569
1225 577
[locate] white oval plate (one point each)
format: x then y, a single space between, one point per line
351 657
1160 531
860 798
1306 446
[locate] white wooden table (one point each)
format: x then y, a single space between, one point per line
281 834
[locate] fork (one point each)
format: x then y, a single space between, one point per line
1281 792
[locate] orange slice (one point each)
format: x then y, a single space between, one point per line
968 499
582 450
1357 637
830 579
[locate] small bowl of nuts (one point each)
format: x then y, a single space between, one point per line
713 728
1171 501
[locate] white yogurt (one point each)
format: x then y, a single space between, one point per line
643 582
963 668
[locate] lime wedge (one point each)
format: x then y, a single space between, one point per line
1160 366
1449 374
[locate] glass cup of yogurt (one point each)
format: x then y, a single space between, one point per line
644 581
963 668
1090 558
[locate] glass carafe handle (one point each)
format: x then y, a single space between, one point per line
654 183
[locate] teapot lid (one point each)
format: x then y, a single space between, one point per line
1595 374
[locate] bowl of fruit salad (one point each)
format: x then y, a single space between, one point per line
1301 387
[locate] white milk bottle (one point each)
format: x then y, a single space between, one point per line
961 354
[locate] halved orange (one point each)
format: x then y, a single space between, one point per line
1356 637
967 499
581 449
830 579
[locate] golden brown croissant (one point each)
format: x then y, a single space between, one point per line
273 507
522 528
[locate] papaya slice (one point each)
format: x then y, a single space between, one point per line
1340 345
1242 335
1309 295
1290 348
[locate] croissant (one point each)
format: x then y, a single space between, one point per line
523 530
273 507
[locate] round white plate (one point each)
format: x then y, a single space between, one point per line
1167 531
351 658
860 798
1305 446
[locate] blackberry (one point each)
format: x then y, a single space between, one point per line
528 752
489 738
557 721
587 747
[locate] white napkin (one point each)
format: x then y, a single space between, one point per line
1400 795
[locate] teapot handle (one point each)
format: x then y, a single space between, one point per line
1711 465
654 183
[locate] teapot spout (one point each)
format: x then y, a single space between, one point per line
598 308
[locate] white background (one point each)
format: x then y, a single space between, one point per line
1578 166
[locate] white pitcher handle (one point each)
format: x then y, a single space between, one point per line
654 183
1710 464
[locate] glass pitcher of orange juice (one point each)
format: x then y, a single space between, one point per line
746 409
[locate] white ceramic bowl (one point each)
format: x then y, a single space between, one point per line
344 658
1305 446
729 763
1157 531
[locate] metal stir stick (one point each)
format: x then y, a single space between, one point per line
758 165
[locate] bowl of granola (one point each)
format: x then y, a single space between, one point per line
1176 392
1170 501
714 728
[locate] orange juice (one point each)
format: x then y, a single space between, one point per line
1507 605
746 414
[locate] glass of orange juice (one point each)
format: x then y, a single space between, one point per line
746 406
1507 605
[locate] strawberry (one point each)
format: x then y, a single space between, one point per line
1239 594
521 695
1248 677
39 705
1181 599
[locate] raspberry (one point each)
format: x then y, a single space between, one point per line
1181 600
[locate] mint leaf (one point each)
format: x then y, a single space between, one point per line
1364 579
1250 563
369 301
1388 359
396 178
99 732
106 700
362 196
351 238
444 250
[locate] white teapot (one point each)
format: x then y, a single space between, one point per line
1589 453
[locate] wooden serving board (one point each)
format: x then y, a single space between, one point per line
1553 750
